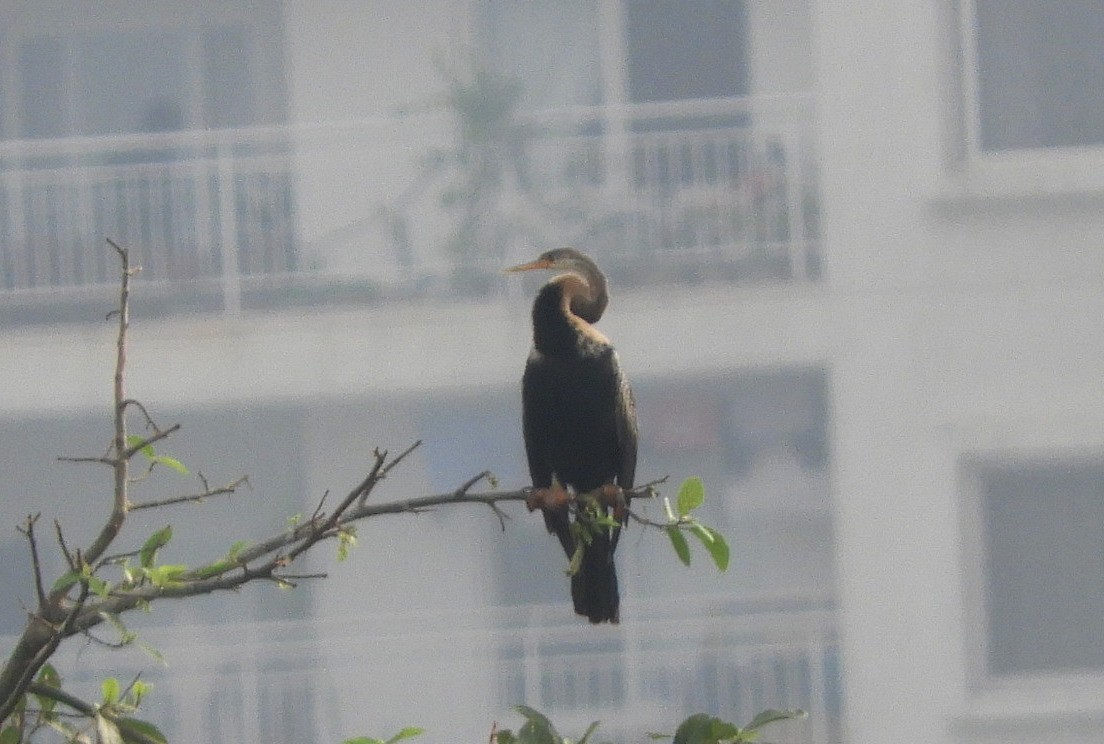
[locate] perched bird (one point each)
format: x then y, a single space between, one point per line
579 423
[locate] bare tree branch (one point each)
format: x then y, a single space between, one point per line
101 460
138 404
205 494
157 436
121 465
36 565
34 648
64 548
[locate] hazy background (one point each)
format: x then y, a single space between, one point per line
856 283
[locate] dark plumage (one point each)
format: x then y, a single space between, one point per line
578 417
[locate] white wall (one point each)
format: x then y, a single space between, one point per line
961 325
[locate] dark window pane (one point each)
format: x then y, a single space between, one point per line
132 82
686 49
1045 568
1040 73
228 88
42 96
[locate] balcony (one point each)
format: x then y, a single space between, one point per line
456 672
222 221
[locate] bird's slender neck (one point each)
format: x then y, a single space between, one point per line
587 298
558 323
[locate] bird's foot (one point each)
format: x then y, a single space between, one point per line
554 497
613 496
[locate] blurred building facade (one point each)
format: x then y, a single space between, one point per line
856 285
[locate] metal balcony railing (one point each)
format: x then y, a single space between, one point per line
315 680
659 193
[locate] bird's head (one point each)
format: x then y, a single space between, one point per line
559 259
589 300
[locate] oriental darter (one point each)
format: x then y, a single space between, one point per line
579 424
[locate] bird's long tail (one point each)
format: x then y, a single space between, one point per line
594 586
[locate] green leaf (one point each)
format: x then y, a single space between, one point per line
170 462
702 728
71 732
346 540
98 586
537 729
134 730
155 542
605 520
236 549
772 716
153 653
695 729
48 677
714 543
110 689
108 730
407 733
66 580
691 495
138 690
166 575
11 735
216 568
125 636
147 449
678 542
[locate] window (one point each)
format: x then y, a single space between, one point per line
1035 74
155 79
42 92
1042 579
682 50
552 49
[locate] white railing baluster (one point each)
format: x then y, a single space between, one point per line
228 232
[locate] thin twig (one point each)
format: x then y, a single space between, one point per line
155 437
471 482
400 457
101 460
117 558
94 639
317 514
319 527
138 404
230 488
299 577
64 548
36 565
647 522
495 508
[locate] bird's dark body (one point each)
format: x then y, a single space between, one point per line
579 426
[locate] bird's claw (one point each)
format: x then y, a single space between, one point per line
613 496
554 497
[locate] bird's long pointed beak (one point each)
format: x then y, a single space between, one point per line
540 263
